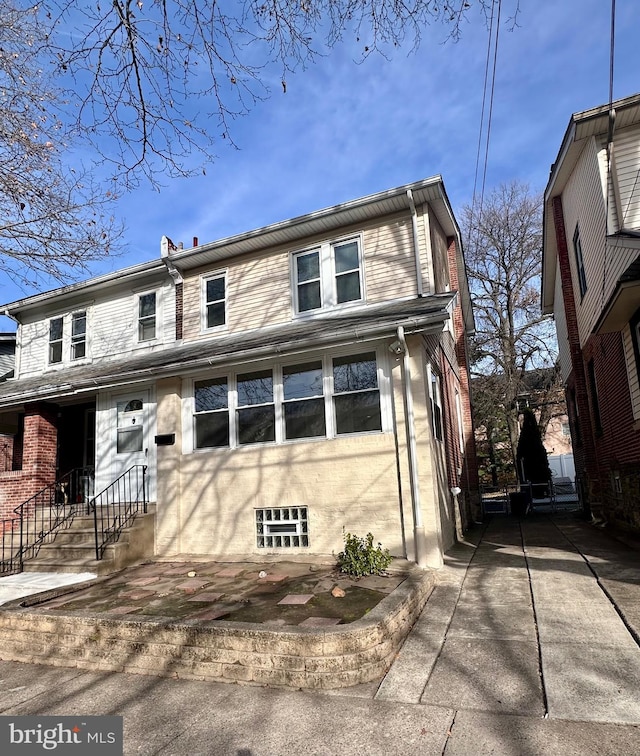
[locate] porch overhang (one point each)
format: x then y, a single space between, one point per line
424 315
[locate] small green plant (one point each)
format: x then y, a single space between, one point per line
360 557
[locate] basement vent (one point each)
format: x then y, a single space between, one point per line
282 527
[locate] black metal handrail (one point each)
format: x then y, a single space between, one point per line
38 519
117 505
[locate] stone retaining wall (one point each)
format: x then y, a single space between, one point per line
297 657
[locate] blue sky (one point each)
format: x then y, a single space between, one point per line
346 129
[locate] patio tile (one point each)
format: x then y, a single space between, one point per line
123 609
274 578
143 581
137 595
206 597
296 598
193 585
319 622
230 572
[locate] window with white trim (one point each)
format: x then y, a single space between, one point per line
147 310
435 401
56 329
324 397
79 335
329 275
214 294
577 248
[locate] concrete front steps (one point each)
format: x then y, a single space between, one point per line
74 549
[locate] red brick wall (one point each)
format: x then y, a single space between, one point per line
469 479
39 460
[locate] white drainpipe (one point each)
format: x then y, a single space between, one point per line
416 245
418 526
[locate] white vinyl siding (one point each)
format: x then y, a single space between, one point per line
112 330
627 167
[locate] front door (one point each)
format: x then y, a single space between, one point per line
131 431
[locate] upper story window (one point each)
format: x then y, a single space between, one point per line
55 340
79 335
214 299
328 276
147 310
577 248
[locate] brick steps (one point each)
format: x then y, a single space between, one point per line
73 549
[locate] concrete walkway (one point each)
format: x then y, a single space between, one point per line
28 583
520 651
529 623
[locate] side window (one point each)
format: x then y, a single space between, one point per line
435 400
55 340
215 297
303 400
147 307
347 272
78 335
577 248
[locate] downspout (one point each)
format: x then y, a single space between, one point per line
418 526
416 244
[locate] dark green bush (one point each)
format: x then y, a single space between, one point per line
360 557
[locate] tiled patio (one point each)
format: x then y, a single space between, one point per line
270 593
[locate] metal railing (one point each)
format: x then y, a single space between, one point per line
117 505
38 519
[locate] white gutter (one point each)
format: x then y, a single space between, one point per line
418 526
416 242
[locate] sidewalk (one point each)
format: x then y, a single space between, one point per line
520 652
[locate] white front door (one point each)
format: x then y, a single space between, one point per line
131 431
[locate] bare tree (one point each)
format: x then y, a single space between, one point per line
167 78
504 256
53 221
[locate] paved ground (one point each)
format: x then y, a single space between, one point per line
28 583
527 646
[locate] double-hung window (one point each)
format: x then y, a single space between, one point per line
215 298
147 316
78 335
328 276
211 413
356 395
577 248
55 340
256 408
303 405
435 400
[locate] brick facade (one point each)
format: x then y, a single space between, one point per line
468 463
38 461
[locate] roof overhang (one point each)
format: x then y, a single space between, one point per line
623 303
425 315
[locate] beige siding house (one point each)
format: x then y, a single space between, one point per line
280 386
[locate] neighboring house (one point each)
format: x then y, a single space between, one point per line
591 284
281 386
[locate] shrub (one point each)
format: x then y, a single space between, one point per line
360 557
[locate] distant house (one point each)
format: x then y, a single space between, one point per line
280 386
591 285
